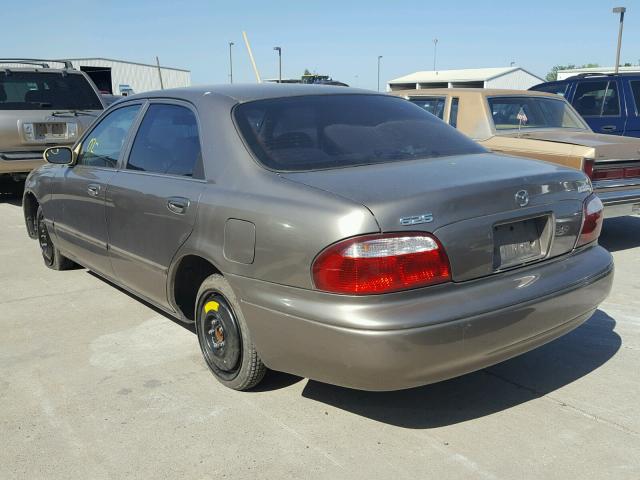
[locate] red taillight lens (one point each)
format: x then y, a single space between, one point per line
608 174
632 172
587 167
381 264
592 217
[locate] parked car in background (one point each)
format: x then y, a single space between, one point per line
610 103
542 126
41 106
332 233
108 98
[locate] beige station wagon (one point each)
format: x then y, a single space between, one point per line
40 107
545 127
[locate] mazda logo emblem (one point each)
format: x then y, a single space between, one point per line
522 198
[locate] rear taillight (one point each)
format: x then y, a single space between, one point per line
592 217
381 263
615 173
587 167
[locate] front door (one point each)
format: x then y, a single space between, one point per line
601 104
81 228
152 202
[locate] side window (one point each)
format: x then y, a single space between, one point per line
453 113
167 142
597 99
102 147
635 89
433 105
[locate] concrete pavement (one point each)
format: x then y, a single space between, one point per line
95 384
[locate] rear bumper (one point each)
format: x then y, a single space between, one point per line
396 341
619 203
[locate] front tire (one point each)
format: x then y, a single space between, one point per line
50 253
225 340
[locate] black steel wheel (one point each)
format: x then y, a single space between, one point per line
50 254
225 340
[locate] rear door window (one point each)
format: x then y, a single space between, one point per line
433 105
103 145
597 99
167 142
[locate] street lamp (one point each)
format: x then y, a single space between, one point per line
379 57
621 11
231 44
279 50
435 47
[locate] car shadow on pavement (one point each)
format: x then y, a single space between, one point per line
497 388
620 233
11 193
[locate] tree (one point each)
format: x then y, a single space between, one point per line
552 76
307 72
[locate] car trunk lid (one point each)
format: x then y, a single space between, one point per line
466 200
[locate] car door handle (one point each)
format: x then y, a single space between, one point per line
178 204
608 128
93 190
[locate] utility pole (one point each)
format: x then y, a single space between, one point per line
159 73
379 58
279 50
435 50
231 44
621 11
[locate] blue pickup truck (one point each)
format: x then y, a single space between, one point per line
610 103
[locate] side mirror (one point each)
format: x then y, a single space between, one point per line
59 155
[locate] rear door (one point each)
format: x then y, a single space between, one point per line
80 227
152 201
601 103
632 94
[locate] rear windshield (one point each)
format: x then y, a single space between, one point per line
48 91
332 131
511 113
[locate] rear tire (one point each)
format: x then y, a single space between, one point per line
225 340
50 253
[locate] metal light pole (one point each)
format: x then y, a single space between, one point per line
231 44
621 11
435 50
279 50
379 58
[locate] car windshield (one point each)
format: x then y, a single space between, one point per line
532 112
332 131
48 91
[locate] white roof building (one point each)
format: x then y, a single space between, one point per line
562 74
503 77
123 77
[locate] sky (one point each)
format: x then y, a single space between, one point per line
338 38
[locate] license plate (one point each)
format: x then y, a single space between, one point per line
519 242
46 131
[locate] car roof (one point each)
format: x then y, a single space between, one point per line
467 91
249 92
